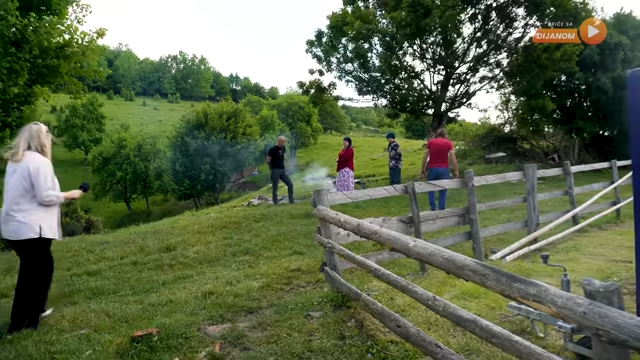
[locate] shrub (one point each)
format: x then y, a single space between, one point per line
144 102
110 95
77 221
156 97
177 98
128 95
54 109
171 99
193 105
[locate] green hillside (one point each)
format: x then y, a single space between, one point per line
256 269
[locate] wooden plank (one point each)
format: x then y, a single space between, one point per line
549 172
520 200
501 203
437 185
474 219
503 228
498 178
613 324
589 209
342 236
571 191
624 163
336 198
592 187
444 223
531 181
325 229
608 293
452 239
376 257
590 167
394 322
415 216
616 176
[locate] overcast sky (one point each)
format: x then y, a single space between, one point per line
264 40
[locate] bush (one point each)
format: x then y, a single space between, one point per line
193 105
144 102
171 99
54 109
156 97
77 221
128 95
110 95
177 98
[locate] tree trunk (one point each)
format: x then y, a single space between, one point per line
128 204
437 122
195 202
146 199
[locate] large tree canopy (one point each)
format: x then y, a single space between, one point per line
424 57
42 46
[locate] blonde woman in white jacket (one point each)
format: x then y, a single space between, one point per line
30 220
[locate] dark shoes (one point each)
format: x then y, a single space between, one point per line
33 325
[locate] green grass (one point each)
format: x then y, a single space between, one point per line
257 269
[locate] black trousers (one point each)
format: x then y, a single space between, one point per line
34 281
276 176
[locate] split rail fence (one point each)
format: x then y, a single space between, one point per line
614 330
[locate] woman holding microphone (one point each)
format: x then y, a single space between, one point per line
30 220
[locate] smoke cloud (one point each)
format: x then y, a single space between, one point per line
318 176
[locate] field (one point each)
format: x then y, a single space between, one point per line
256 269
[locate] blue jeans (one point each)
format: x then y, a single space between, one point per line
438 174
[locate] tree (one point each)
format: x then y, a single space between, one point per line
570 99
42 46
424 57
300 117
209 145
253 104
269 123
83 125
148 169
333 118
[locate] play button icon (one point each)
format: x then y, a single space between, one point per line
593 31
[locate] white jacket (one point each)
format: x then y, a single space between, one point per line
31 200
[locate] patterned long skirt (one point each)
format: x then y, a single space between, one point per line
344 181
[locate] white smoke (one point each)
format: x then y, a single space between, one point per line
318 176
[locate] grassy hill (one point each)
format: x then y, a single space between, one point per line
249 276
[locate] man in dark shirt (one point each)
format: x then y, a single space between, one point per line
275 159
395 160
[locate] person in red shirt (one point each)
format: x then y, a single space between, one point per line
345 178
435 165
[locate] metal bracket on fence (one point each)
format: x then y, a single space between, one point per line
322 266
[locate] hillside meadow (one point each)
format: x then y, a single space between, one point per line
248 277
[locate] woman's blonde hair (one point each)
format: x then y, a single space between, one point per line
32 137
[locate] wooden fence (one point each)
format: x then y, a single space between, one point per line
419 223
613 330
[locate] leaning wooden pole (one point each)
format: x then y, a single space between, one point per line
486 330
394 322
518 244
615 325
569 231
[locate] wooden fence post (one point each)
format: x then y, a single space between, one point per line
571 190
326 230
616 191
474 219
608 293
531 183
415 216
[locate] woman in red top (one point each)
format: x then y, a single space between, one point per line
345 179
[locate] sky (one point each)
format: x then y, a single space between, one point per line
264 40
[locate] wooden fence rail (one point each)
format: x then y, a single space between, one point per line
419 224
608 323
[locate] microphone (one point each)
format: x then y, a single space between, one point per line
84 187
